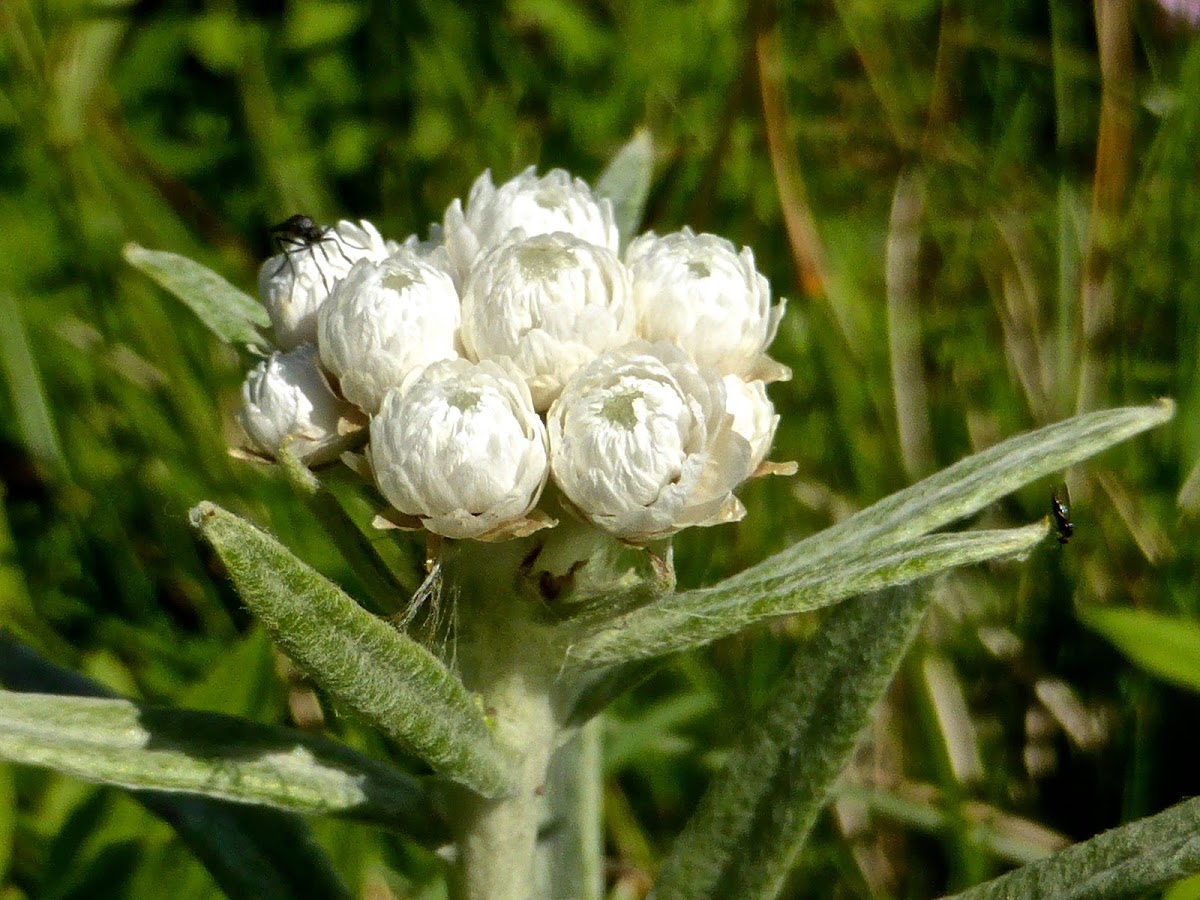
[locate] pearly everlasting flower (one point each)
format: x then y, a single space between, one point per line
286 400
642 446
699 292
384 320
754 416
553 202
293 284
550 303
460 448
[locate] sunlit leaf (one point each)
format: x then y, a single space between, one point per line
230 314
1166 646
359 659
156 748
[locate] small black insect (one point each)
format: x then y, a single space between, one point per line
298 233
1060 506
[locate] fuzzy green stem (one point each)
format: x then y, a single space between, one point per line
497 839
511 662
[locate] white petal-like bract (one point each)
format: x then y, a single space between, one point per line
460 447
641 443
754 416
551 303
384 320
295 283
286 400
698 292
536 205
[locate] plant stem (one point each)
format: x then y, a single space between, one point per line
497 839
511 662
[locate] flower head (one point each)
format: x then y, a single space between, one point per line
384 320
460 447
699 292
551 303
642 446
553 202
294 283
287 401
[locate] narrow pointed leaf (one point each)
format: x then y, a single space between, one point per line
759 810
695 618
229 313
968 486
1135 860
32 418
626 182
156 748
362 662
251 852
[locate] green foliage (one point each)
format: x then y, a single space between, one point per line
363 662
1039 267
229 313
1130 861
156 748
1166 646
752 823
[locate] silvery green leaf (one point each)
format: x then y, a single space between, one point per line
139 747
229 313
876 548
626 182
758 811
697 617
360 660
251 852
969 485
1135 860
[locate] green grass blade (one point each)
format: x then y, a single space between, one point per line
1134 860
229 313
626 182
759 810
386 594
1166 646
34 422
362 662
251 852
140 747
968 486
698 617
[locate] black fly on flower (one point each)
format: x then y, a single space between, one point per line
298 233
312 259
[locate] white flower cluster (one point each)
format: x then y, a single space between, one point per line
519 347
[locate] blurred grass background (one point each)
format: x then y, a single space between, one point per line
986 218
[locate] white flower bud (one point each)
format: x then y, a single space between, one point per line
385 319
293 284
551 303
754 416
553 202
286 400
642 446
697 291
460 447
